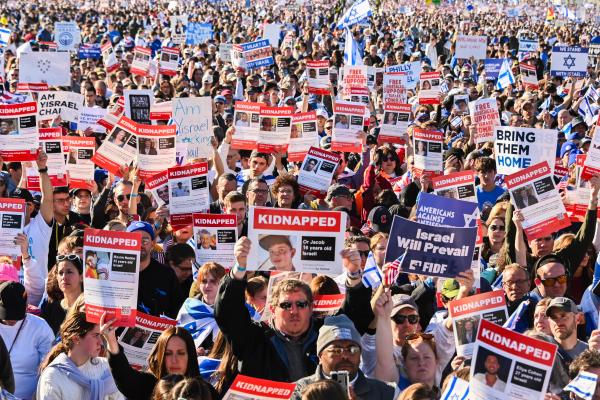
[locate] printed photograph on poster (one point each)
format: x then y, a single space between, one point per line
303 135
458 185
316 171
429 92
396 117
348 123
296 240
12 221
19 139
158 185
246 122
119 148
156 149
318 77
215 236
591 166
51 141
188 188
428 156
137 105
275 129
80 167
461 104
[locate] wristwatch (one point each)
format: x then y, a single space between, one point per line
43 170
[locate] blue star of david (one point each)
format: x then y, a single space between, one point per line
569 61
454 397
353 12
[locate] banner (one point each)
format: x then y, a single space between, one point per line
468 46
430 250
43 67
492 68
66 104
396 118
246 121
296 240
109 57
318 77
89 117
442 211
518 147
428 157
569 61
466 314
51 143
156 149
198 33
275 129
188 188
304 135
169 61
256 54
394 88
80 167
412 70
111 273
225 52
458 185
193 118
18 132
137 105
348 123
162 111
138 341
429 92
317 171
215 236
533 193
485 116
12 217
67 35
119 148
529 76
247 388
519 366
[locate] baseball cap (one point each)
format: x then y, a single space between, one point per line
337 327
562 304
226 92
567 147
450 288
337 190
380 219
402 301
73 192
12 301
141 226
321 112
269 240
20 193
222 99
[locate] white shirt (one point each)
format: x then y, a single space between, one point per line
38 233
498 385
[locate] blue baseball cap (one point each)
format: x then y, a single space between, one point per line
567 147
141 226
222 99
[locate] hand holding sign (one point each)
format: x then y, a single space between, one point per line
351 260
241 251
42 159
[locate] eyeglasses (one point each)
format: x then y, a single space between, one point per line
121 197
520 282
549 282
285 191
419 335
287 305
495 228
339 351
69 257
364 253
389 158
399 319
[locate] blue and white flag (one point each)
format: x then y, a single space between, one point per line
513 322
457 389
372 276
352 54
583 386
4 36
356 13
199 319
505 77
208 366
198 33
589 105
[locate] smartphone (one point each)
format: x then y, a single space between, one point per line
341 377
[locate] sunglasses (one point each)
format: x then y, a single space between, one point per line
494 228
364 253
549 282
399 319
287 305
121 197
69 257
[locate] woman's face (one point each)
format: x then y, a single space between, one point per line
285 196
176 356
91 343
120 135
420 363
496 231
379 251
208 287
388 164
540 321
69 278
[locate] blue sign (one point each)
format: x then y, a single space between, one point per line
443 211
90 51
492 67
430 250
198 33
569 61
258 54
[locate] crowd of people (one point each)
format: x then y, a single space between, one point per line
394 342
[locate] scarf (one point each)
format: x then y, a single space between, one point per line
96 389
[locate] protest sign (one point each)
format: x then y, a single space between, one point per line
318 77
577 200
198 33
237 56
137 105
109 57
246 122
248 388
521 147
158 185
271 32
90 50
169 61
396 117
569 61
594 51
188 188
353 76
528 43
460 105
532 192
328 303
275 129
66 104
429 92
256 54
428 156
113 113
412 70
161 111
156 148
111 274
492 68
485 116
458 185
225 51
529 76
119 148
67 35
520 366
466 313
394 88
89 117
296 240
41 67
51 143
12 217
141 61
591 166
215 236
317 171
138 341
304 135
468 46
348 119
18 132
357 94
375 77
430 250
443 211
193 118
80 167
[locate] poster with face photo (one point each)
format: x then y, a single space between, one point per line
275 129
396 117
317 171
19 139
318 77
137 105
429 92
169 61
141 61
109 57
348 125
158 185
215 236
304 135
188 188
461 104
246 121
119 148
52 144
80 167
12 217
296 240
156 149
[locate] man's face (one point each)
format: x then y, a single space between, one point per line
225 186
121 197
295 320
341 201
62 204
147 245
563 324
515 283
257 194
552 270
281 256
83 199
184 269
491 365
330 360
311 165
257 166
487 178
405 328
163 193
542 246
363 248
239 209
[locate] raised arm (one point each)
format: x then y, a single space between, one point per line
46 206
385 369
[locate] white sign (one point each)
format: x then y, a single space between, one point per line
468 46
193 118
45 67
67 35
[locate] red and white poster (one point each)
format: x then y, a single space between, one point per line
591 166
24 87
141 61
304 135
246 123
396 117
51 143
188 188
328 303
247 388
275 129
113 113
532 191
161 111
158 185
215 236
348 125
578 200
353 76
80 167
429 92
12 217
19 139
458 185
119 148
169 61
111 273
156 148
318 77
428 155
296 240
529 76
109 57
316 171
484 115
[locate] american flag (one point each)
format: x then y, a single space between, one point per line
391 271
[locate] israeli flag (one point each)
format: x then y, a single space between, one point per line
588 106
199 319
583 386
352 54
513 321
356 13
457 389
372 276
505 76
4 36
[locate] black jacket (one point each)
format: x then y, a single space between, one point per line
260 350
7 379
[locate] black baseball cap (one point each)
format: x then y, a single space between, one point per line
20 193
380 219
13 301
